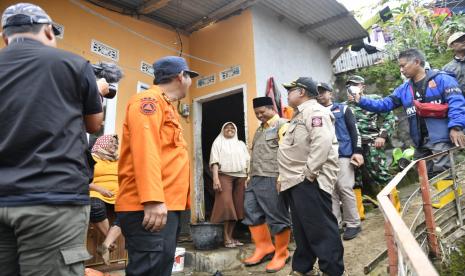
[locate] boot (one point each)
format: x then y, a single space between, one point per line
264 248
359 200
281 255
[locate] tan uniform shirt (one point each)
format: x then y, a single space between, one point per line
309 148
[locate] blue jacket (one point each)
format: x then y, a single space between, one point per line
441 88
342 133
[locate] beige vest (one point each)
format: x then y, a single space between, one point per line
265 150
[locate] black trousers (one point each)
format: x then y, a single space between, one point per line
315 230
149 253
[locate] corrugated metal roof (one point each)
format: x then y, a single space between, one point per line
328 21
336 32
184 13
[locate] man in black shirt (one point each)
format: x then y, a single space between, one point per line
49 98
419 89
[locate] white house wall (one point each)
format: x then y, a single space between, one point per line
284 53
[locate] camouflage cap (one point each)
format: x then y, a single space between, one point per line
454 37
355 79
26 14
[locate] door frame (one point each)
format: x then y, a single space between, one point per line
199 203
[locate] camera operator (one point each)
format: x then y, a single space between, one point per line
49 99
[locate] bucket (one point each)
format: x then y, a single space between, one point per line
178 265
207 236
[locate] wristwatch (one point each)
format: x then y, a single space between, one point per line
457 128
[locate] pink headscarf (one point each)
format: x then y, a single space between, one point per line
106 147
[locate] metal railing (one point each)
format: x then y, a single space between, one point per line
405 254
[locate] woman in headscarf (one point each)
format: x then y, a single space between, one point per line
103 192
229 162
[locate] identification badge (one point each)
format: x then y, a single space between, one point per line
148 106
432 84
317 121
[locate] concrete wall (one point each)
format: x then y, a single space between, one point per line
81 27
228 42
284 53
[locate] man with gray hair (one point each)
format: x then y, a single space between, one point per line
434 105
48 99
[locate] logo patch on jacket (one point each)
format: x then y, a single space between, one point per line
148 106
432 84
317 121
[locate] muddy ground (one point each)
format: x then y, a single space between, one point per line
357 252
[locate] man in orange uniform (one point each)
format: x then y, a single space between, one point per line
154 171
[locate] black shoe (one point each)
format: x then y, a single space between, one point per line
351 232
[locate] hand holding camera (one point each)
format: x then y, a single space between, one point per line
111 74
103 87
353 93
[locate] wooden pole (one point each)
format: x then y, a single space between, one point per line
428 209
393 257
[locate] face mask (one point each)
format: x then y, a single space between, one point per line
353 90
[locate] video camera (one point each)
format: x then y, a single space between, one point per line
111 73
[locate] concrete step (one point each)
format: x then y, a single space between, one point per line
225 260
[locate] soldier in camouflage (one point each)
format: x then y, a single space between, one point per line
374 129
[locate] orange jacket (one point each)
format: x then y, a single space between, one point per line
153 164
288 112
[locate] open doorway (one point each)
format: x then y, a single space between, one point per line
214 114
211 112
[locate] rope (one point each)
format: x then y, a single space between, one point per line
154 41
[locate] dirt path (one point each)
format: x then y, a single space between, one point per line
357 252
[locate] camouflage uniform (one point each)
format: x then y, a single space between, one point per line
374 175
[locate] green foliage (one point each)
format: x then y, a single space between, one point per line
385 77
456 264
412 26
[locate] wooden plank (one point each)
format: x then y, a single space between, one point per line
152 5
329 20
221 13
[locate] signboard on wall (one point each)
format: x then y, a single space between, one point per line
230 73
206 81
146 68
104 50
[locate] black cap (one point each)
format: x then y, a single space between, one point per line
355 79
26 14
169 66
262 101
305 83
324 87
